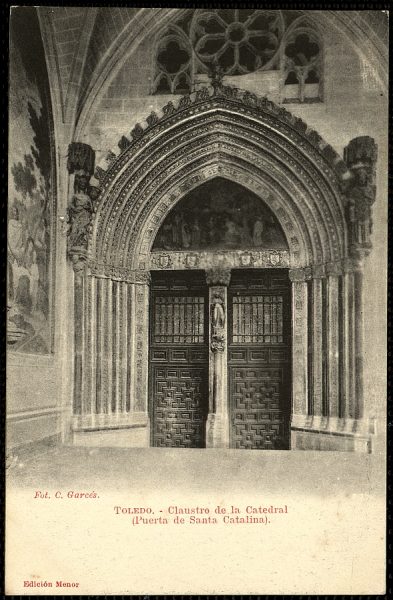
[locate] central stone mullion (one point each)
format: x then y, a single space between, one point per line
217 426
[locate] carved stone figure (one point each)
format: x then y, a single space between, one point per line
218 324
80 212
218 312
361 198
361 156
257 234
216 76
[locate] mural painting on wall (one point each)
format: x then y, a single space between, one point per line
220 214
29 205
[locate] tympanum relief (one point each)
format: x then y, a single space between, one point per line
220 214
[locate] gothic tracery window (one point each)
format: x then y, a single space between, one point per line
173 63
241 41
301 64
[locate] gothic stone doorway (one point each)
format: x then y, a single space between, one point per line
322 205
258 359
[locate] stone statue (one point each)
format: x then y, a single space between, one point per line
218 312
360 156
218 324
81 158
80 213
360 200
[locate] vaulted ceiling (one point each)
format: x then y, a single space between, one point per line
85 45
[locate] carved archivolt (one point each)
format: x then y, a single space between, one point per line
227 133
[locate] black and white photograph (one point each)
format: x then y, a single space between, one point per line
196 301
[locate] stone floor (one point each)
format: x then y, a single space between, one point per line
315 473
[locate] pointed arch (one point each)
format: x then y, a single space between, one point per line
239 136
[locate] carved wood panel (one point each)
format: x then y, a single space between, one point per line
180 406
259 360
178 360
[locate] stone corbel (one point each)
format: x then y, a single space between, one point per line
79 263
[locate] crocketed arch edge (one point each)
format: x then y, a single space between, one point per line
235 134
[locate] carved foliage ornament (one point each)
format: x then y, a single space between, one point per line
225 96
119 273
282 120
218 276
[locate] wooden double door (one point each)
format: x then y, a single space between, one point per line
259 377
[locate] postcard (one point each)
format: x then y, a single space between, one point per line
196 301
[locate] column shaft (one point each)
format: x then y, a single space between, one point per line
103 399
124 352
299 346
91 332
332 345
141 347
349 368
359 333
109 342
78 344
316 325
117 349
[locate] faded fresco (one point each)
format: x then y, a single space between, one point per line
30 199
220 214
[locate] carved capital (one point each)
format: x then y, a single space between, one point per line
318 271
119 273
81 157
333 269
142 277
218 276
351 264
301 274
